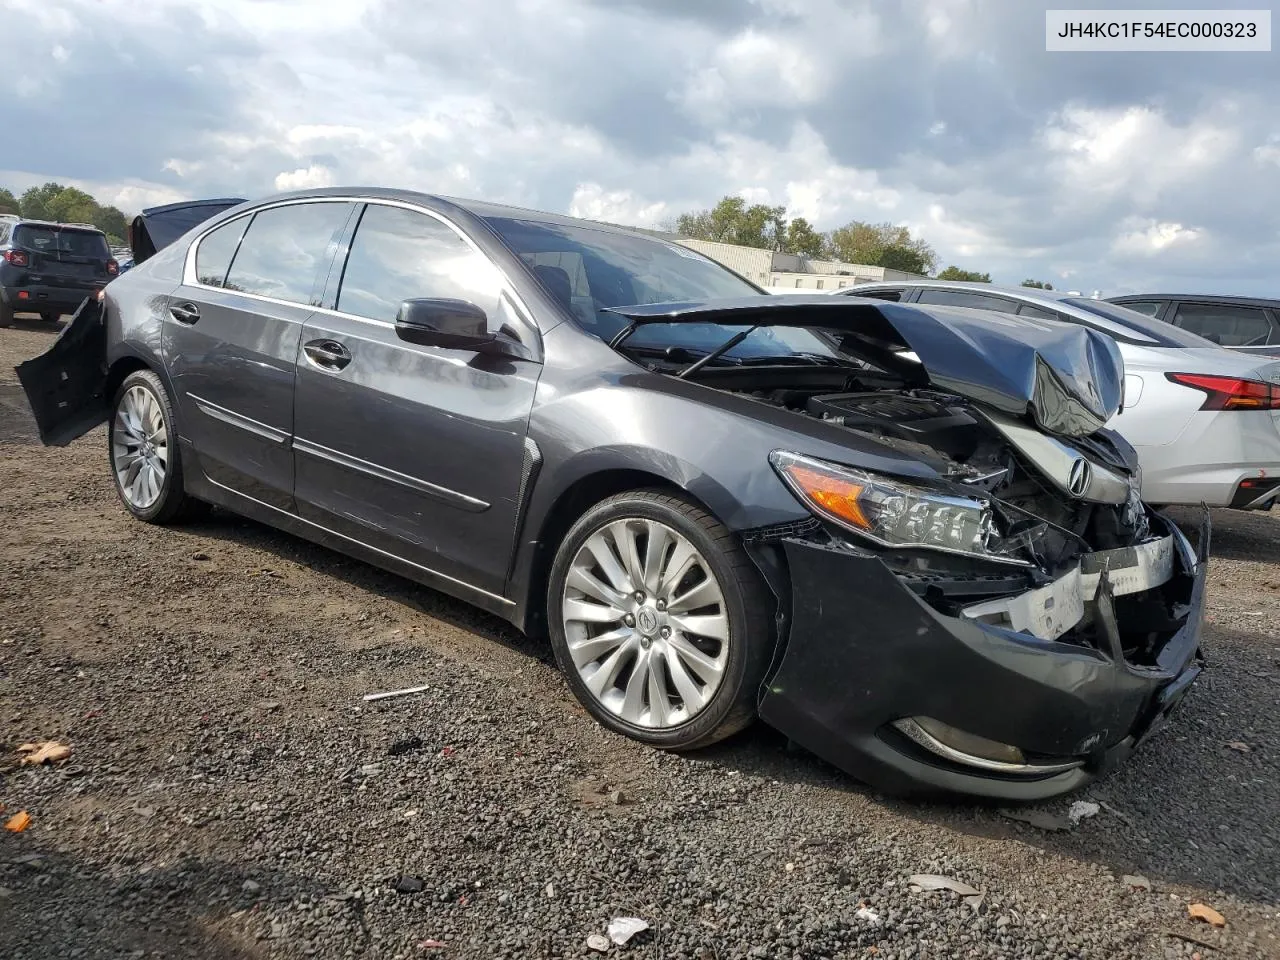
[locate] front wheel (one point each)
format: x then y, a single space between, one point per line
142 445
660 622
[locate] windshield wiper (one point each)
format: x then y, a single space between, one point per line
815 359
719 351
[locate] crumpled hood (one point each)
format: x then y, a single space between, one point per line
1068 379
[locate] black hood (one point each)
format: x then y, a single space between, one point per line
1068 379
157 227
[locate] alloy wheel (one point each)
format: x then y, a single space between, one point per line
646 623
140 447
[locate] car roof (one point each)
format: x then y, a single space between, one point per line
1198 298
479 208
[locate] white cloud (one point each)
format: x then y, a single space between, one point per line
594 202
1152 238
304 178
932 114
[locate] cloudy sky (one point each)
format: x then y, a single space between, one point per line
1117 172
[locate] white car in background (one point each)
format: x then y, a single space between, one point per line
1205 421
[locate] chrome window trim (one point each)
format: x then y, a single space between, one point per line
190 279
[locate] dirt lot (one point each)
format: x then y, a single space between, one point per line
230 795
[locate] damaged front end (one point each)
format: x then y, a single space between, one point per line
1010 629
1006 617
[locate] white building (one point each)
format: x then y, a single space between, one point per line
770 269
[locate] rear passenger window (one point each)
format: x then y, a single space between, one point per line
284 250
214 254
961 298
400 254
894 295
1229 326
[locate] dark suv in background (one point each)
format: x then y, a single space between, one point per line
49 268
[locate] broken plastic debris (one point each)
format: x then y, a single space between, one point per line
431 944
1082 809
932 881
44 751
1236 745
622 929
927 882
598 942
394 693
18 822
1199 911
864 913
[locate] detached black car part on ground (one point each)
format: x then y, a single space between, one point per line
901 536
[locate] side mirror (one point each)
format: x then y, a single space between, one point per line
458 324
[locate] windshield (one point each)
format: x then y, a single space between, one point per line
60 241
591 270
1149 328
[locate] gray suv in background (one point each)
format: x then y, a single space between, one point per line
50 268
899 534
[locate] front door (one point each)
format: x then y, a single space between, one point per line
231 337
414 450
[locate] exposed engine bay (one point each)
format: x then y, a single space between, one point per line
1069 537
963 444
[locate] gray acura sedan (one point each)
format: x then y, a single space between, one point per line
898 534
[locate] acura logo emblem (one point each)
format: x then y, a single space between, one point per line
1081 474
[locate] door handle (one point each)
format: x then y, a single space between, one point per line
187 313
327 354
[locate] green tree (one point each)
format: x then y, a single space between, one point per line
72 205
732 221
1037 284
884 245
955 273
35 201
8 202
113 223
803 240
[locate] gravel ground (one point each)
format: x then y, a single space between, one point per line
230 795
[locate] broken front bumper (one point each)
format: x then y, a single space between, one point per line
866 655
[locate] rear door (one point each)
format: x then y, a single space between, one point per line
417 451
231 337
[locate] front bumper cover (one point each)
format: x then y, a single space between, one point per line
865 651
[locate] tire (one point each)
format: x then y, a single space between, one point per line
654 649
6 314
138 408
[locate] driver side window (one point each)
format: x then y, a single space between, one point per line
399 254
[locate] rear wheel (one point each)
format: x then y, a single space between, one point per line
142 446
660 622
6 314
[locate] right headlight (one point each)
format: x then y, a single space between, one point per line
893 512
